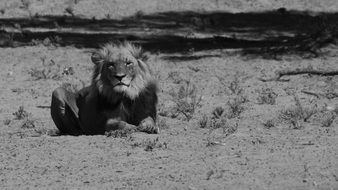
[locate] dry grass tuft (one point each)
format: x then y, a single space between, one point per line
297 114
187 100
218 120
151 144
23 115
267 96
49 70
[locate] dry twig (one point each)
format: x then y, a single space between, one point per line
311 71
318 95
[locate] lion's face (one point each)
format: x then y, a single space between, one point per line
119 72
119 69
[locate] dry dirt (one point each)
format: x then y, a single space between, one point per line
263 143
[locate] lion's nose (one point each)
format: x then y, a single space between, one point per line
120 76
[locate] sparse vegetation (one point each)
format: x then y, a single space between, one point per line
187 100
211 142
151 144
7 121
234 86
297 114
51 42
49 70
218 119
203 122
28 124
21 113
175 77
235 106
162 123
328 119
268 124
266 96
68 71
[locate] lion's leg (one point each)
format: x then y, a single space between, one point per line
64 112
148 125
115 124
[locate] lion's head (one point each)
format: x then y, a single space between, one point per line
120 70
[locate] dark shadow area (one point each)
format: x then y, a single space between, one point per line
179 32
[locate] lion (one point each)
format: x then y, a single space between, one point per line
121 96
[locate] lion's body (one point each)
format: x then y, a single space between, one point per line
123 94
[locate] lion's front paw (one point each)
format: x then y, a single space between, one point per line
148 126
113 124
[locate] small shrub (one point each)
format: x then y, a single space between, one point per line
297 114
217 112
162 124
234 86
203 122
28 124
21 113
167 111
68 71
151 144
267 96
50 42
7 121
219 120
328 119
229 128
236 106
50 70
292 117
175 77
216 123
304 112
268 124
187 100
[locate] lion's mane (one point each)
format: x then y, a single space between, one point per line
142 83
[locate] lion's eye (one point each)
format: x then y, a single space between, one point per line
129 63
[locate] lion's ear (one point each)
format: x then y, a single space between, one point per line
96 58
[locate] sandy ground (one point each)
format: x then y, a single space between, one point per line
258 145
